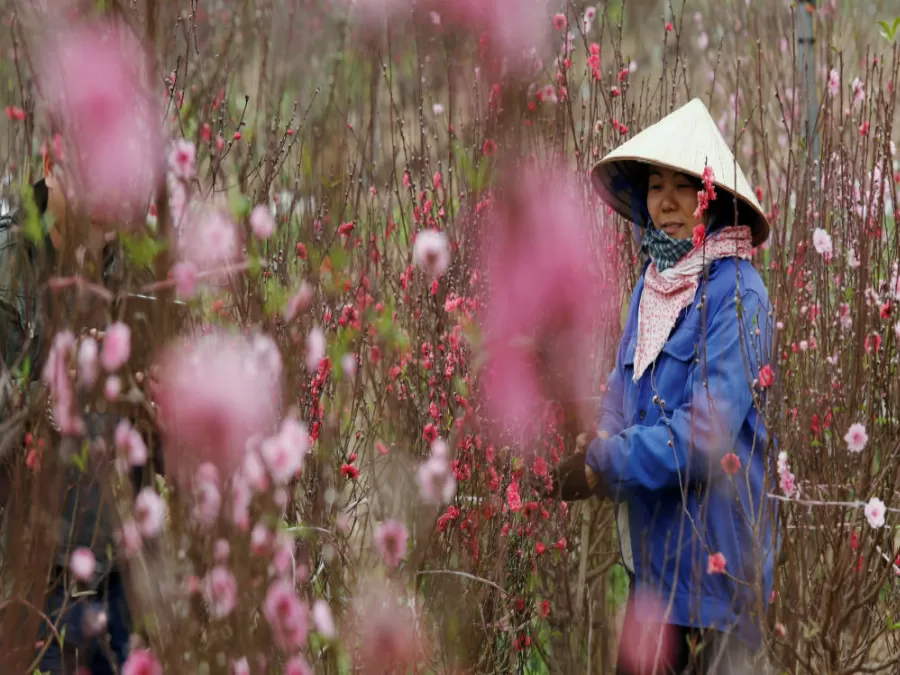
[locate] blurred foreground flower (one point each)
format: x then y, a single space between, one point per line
391 538
544 301
511 28
95 78
431 252
214 394
385 636
647 643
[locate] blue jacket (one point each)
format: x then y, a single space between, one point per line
665 437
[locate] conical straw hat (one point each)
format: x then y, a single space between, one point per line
686 140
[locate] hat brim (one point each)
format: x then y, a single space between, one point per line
618 180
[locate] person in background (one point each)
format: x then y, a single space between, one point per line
94 615
681 445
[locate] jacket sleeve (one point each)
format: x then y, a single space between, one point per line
611 415
683 443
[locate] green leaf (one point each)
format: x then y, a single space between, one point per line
466 167
240 206
32 227
276 297
142 251
80 460
889 30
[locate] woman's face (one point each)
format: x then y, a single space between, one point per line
671 201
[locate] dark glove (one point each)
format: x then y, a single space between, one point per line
569 481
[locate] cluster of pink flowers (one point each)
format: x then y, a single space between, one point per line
437 484
786 479
56 376
288 616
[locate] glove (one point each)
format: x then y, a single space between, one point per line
569 481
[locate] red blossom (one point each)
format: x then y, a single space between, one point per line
766 376
430 433
716 564
699 236
731 463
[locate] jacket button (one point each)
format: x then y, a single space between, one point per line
643 414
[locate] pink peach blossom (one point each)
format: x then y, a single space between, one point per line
391 538
149 512
260 539
141 662
834 82
514 28
431 252
297 303
822 242
856 438
112 387
222 551
183 159
96 79
647 643
209 240
207 503
297 666
88 361
56 376
384 636
184 274
82 564
130 442
437 484
323 620
220 591
545 302
283 454
874 511
215 393
282 555
262 222
315 348
287 615
130 538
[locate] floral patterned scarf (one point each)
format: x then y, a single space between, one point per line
668 292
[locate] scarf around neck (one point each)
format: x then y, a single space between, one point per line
668 292
664 250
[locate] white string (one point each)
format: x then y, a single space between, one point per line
813 502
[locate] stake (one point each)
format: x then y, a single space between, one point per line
807 47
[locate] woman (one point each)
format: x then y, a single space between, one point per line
681 444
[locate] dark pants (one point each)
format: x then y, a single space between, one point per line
81 649
684 650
